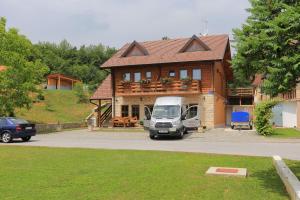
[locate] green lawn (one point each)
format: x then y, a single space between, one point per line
286 133
59 105
64 173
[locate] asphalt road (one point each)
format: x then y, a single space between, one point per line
217 141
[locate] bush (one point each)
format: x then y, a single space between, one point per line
81 93
263 115
40 97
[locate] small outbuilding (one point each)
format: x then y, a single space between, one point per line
60 82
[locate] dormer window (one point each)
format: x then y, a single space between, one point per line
194 44
135 49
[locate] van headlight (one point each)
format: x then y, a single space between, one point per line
152 123
176 123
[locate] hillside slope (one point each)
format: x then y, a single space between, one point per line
58 106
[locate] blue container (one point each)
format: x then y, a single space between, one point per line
240 116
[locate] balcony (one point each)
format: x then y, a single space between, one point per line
240 92
157 88
292 95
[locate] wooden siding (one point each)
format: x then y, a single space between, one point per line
161 71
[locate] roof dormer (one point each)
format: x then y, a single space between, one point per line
135 49
194 44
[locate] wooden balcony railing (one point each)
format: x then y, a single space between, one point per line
288 95
157 88
240 91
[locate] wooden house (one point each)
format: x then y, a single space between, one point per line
197 68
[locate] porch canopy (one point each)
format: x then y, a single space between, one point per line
103 92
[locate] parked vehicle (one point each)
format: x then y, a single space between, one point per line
11 128
170 117
240 120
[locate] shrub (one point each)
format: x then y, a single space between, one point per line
166 80
81 93
145 81
40 97
186 81
263 115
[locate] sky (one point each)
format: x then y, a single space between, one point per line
116 22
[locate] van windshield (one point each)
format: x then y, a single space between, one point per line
166 111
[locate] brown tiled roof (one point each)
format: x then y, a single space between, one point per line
56 75
104 91
168 51
2 68
257 80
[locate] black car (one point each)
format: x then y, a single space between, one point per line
11 128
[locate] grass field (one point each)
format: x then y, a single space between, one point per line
286 133
59 105
61 173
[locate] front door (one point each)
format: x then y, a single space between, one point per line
191 117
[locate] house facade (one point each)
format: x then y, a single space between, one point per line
196 68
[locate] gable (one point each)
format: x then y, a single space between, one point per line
135 49
194 44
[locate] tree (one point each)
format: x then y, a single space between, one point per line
263 113
268 44
81 93
19 83
83 63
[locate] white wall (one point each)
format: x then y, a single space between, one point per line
289 114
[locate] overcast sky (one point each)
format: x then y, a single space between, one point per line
115 22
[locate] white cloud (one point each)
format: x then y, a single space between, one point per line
116 22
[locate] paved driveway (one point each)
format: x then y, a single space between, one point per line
216 141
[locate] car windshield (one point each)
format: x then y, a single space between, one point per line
18 121
166 111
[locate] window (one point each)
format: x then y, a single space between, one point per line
192 112
196 74
3 122
183 74
126 76
125 111
137 76
135 111
172 74
149 75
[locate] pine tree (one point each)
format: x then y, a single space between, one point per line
269 44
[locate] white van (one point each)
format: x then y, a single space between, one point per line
171 117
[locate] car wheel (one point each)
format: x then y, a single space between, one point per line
6 137
26 139
232 127
152 137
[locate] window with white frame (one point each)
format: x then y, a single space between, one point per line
196 74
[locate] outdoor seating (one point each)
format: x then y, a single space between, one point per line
133 121
124 121
118 121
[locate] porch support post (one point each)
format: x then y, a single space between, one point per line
58 84
100 113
